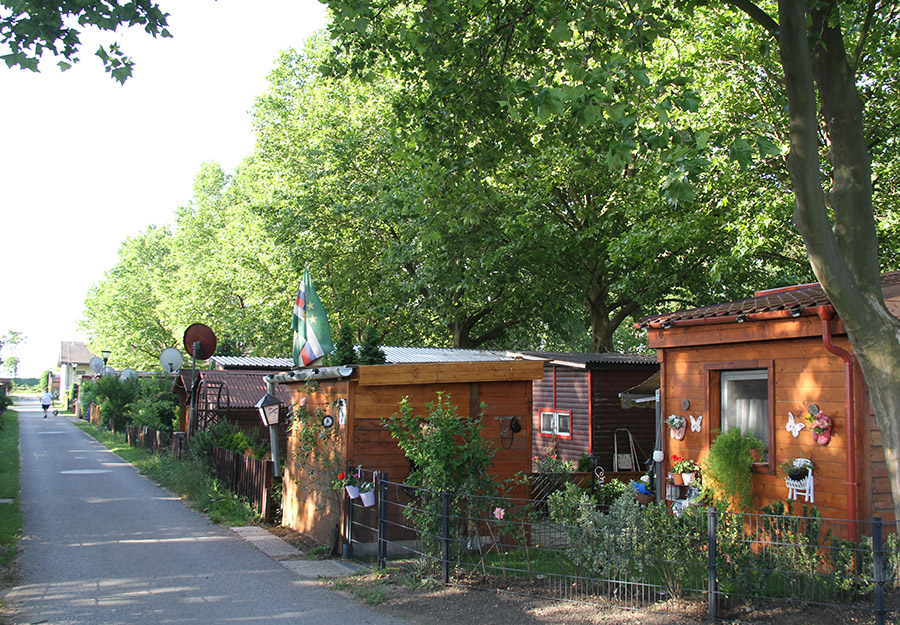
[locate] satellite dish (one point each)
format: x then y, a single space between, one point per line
199 333
96 364
127 374
170 359
109 371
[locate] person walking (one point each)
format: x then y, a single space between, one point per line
46 400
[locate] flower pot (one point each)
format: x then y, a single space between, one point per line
687 478
679 433
368 497
798 473
677 479
352 491
644 498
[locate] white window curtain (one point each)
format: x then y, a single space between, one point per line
745 402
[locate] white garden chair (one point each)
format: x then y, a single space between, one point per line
805 486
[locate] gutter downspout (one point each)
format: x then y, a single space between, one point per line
826 314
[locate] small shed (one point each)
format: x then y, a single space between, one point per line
359 398
762 364
229 395
577 406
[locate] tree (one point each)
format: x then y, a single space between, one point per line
12 365
12 337
124 312
29 28
571 125
836 219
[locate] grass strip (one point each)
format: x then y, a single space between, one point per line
10 513
187 478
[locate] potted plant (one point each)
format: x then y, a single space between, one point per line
728 468
684 467
821 427
367 493
677 425
796 470
349 482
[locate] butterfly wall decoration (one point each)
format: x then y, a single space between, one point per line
794 426
695 422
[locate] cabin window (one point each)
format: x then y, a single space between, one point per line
556 423
745 402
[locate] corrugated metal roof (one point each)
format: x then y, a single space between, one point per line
595 360
412 355
799 297
253 362
394 356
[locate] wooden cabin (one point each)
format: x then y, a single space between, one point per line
763 364
577 407
358 399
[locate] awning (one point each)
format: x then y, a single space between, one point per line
641 394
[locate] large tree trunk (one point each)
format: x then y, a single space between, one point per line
843 253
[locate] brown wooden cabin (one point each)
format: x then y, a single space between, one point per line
577 404
776 346
372 393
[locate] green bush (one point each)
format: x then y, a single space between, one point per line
728 468
112 395
156 405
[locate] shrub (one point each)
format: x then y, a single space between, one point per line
156 405
727 471
203 441
112 395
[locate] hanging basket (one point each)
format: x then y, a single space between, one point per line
368 498
352 491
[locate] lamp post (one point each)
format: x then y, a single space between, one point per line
269 410
104 354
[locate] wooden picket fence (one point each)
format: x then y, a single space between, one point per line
249 478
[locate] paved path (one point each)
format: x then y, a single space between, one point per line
103 545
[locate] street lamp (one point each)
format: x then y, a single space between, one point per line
269 408
104 354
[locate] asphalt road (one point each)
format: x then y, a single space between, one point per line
104 545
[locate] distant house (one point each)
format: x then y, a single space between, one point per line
577 407
761 364
74 359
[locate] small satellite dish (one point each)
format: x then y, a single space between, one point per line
127 374
108 371
170 359
199 333
96 364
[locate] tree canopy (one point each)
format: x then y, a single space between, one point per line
31 28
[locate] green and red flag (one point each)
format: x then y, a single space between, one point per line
312 334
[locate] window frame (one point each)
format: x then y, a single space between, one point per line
714 372
555 430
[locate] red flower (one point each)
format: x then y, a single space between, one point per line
676 458
341 475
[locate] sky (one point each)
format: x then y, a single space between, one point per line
86 162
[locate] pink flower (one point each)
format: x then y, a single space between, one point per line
499 513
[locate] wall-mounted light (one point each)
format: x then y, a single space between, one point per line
268 407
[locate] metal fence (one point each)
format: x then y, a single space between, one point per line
756 568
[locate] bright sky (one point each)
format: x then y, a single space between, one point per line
86 162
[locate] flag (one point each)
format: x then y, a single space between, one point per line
312 334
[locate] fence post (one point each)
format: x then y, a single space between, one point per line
266 504
348 546
445 538
382 519
711 550
878 569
